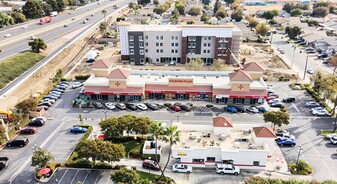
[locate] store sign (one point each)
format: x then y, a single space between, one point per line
181 154
3 116
180 82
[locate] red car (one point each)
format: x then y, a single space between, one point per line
28 130
175 108
270 98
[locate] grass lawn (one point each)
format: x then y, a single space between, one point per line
146 175
131 145
325 132
16 65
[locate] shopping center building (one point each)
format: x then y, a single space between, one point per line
110 83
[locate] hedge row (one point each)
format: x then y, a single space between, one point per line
82 77
316 97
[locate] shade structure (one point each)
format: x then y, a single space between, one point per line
44 170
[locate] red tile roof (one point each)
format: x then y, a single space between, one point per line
101 64
266 132
106 90
252 67
240 75
222 122
119 73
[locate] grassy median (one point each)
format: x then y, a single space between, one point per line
16 65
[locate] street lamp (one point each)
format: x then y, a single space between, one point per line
292 60
299 154
306 65
177 116
105 113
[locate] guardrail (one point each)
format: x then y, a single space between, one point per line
11 86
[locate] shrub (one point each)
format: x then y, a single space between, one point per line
125 139
134 168
81 163
53 165
102 165
177 104
153 157
284 109
302 168
189 104
209 105
167 104
82 77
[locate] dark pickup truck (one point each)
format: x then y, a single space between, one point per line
3 161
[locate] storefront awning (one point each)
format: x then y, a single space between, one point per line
178 89
227 93
105 90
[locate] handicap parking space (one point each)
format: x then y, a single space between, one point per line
85 176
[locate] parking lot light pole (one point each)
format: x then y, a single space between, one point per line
292 60
299 154
105 113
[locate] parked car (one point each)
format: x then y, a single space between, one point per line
44 103
51 97
231 109
18 142
286 142
329 136
240 108
61 87
312 104
121 106
277 104
81 91
175 108
182 168
55 92
269 90
77 85
333 140
281 50
323 55
262 109
132 107
28 130
141 107
270 98
288 99
185 108
152 106
110 106
98 105
227 169
77 129
58 89
319 112
150 164
273 94
284 135
44 107
252 109
36 122
64 82
310 71
47 100
274 101
44 119
55 95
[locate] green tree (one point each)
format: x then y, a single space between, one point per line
180 6
26 106
221 13
296 12
276 117
206 2
5 20
18 17
293 32
41 157
124 175
237 15
157 130
196 64
317 80
333 62
142 125
103 26
47 8
172 137
320 11
129 121
32 9
132 5
61 4
111 127
15 118
321 4
161 8
288 7
270 14
37 44
253 23
217 5
194 11
205 18
262 29
208 7
218 65
104 13
53 4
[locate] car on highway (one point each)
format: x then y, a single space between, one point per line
121 106
186 108
152 106
231 109
227 169
77 85
32 37
175 108
312 104
7 35
277 104
98 105
333 140
131 106
24 27
18 142
151 164
85 21
110 106
319 112
182 168
252 109
281 50
286 142
141 107
28 130
77 129
262 109
310 71
289 99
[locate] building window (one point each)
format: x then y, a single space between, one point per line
141 52
191 45
210 159
131 38
205 44
161 51
209 38
205 38
157 51
146 44
179 60
198 160
208 51
146 50
132 60
204 51
141 45
256 163
132 52
140 38
209 44
172 51
131 44
191 51
157 44
161 44
157 37
176 37
157 60
176 51
161 37
146 37
172 37
172 44
192 38
176 44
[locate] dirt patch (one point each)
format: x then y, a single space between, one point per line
253 9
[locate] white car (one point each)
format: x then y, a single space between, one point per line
252 109
276 100
77 85
24 27
310 71
329 136
141 107
40 117
110 106
319 112
227 169
55 92
48 100
333 140
7 35
285 135
311 104
182 168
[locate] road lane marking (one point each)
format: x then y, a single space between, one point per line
97 177
295 107
63 175
30 158
74 176
86 176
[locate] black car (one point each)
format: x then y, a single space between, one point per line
98 105
240 108
151 164
132 107
324 55
18 142
152 106
288 99
61 87
277 104
185 108
36 122
51 97
90 60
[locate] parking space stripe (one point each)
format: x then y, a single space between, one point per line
97 177
63 175
86 177
74 176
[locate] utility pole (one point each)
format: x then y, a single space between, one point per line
292 60
306 65
299 154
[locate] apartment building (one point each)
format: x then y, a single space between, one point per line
178 44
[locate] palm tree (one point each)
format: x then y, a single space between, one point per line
104 13
171 136
157 130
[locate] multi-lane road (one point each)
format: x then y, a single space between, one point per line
18 41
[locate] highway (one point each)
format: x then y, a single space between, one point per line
18 41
